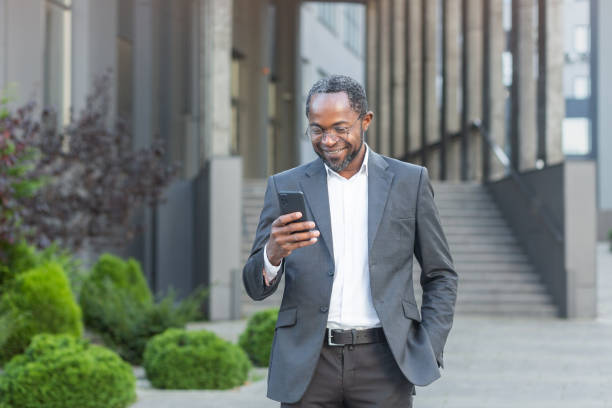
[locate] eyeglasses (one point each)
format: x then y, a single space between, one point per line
316 132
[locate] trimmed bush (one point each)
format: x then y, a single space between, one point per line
37 301
120 308
610 239
21 257
257 338
179 359
59 371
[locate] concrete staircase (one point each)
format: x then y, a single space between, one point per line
495 276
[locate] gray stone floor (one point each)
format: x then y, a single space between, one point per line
491 363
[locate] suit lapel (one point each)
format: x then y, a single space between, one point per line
379 184
314 186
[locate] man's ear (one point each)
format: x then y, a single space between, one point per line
367 119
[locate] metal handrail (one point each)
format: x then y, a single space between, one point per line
540 209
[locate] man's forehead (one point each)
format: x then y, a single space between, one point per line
322 103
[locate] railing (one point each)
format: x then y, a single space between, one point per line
538 207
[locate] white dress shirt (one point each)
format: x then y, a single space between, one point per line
351 304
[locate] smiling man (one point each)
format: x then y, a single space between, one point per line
349 332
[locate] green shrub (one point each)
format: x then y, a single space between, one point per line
21 257
59 371
180 359
257 338
37 301
122 311
610 239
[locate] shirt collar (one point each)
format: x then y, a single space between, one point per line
363 169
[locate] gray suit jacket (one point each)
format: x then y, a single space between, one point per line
402 221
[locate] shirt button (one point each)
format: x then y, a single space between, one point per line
323 309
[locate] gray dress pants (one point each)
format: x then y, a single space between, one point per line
359 376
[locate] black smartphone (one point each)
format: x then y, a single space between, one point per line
292 201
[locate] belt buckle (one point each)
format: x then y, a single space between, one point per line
329 339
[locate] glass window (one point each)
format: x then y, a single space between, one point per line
576 140
581 87
327 15
581 39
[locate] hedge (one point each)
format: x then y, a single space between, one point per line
257 338
180 359
37 301
59 371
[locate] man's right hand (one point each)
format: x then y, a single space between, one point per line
285 238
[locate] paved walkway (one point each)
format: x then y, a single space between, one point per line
491 363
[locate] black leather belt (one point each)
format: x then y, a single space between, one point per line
336 337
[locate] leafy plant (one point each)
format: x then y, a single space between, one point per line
257 338
118 305
181 359
610 239
61 371
37 301
80 183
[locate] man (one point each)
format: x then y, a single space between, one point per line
349 332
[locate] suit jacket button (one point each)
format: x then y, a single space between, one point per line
331 273
323 309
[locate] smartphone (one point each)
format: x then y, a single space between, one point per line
292 201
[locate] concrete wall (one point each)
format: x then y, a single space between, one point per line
567 193
603 133
546 254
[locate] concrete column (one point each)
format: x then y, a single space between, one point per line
472 87
551 101
94 48
287 55
399 78
414 92
450 156
493 107
384 102
523 120
252 38
429 124
215 63
372 88
579 189
22 25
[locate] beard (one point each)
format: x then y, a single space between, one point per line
339 166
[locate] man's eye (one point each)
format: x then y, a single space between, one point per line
316 131
340 129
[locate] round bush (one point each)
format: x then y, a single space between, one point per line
61 371
37 301
180 359
257 338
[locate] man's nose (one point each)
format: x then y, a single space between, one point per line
329 138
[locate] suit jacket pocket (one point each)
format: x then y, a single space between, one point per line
411 310
286 317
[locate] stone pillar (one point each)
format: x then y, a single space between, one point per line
414 88
215 61
493 96
372 67
399 78
551 101
94 48
22 46
523 119
384 102
429 124
287 56
472 88
218 187
450 155
253 29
